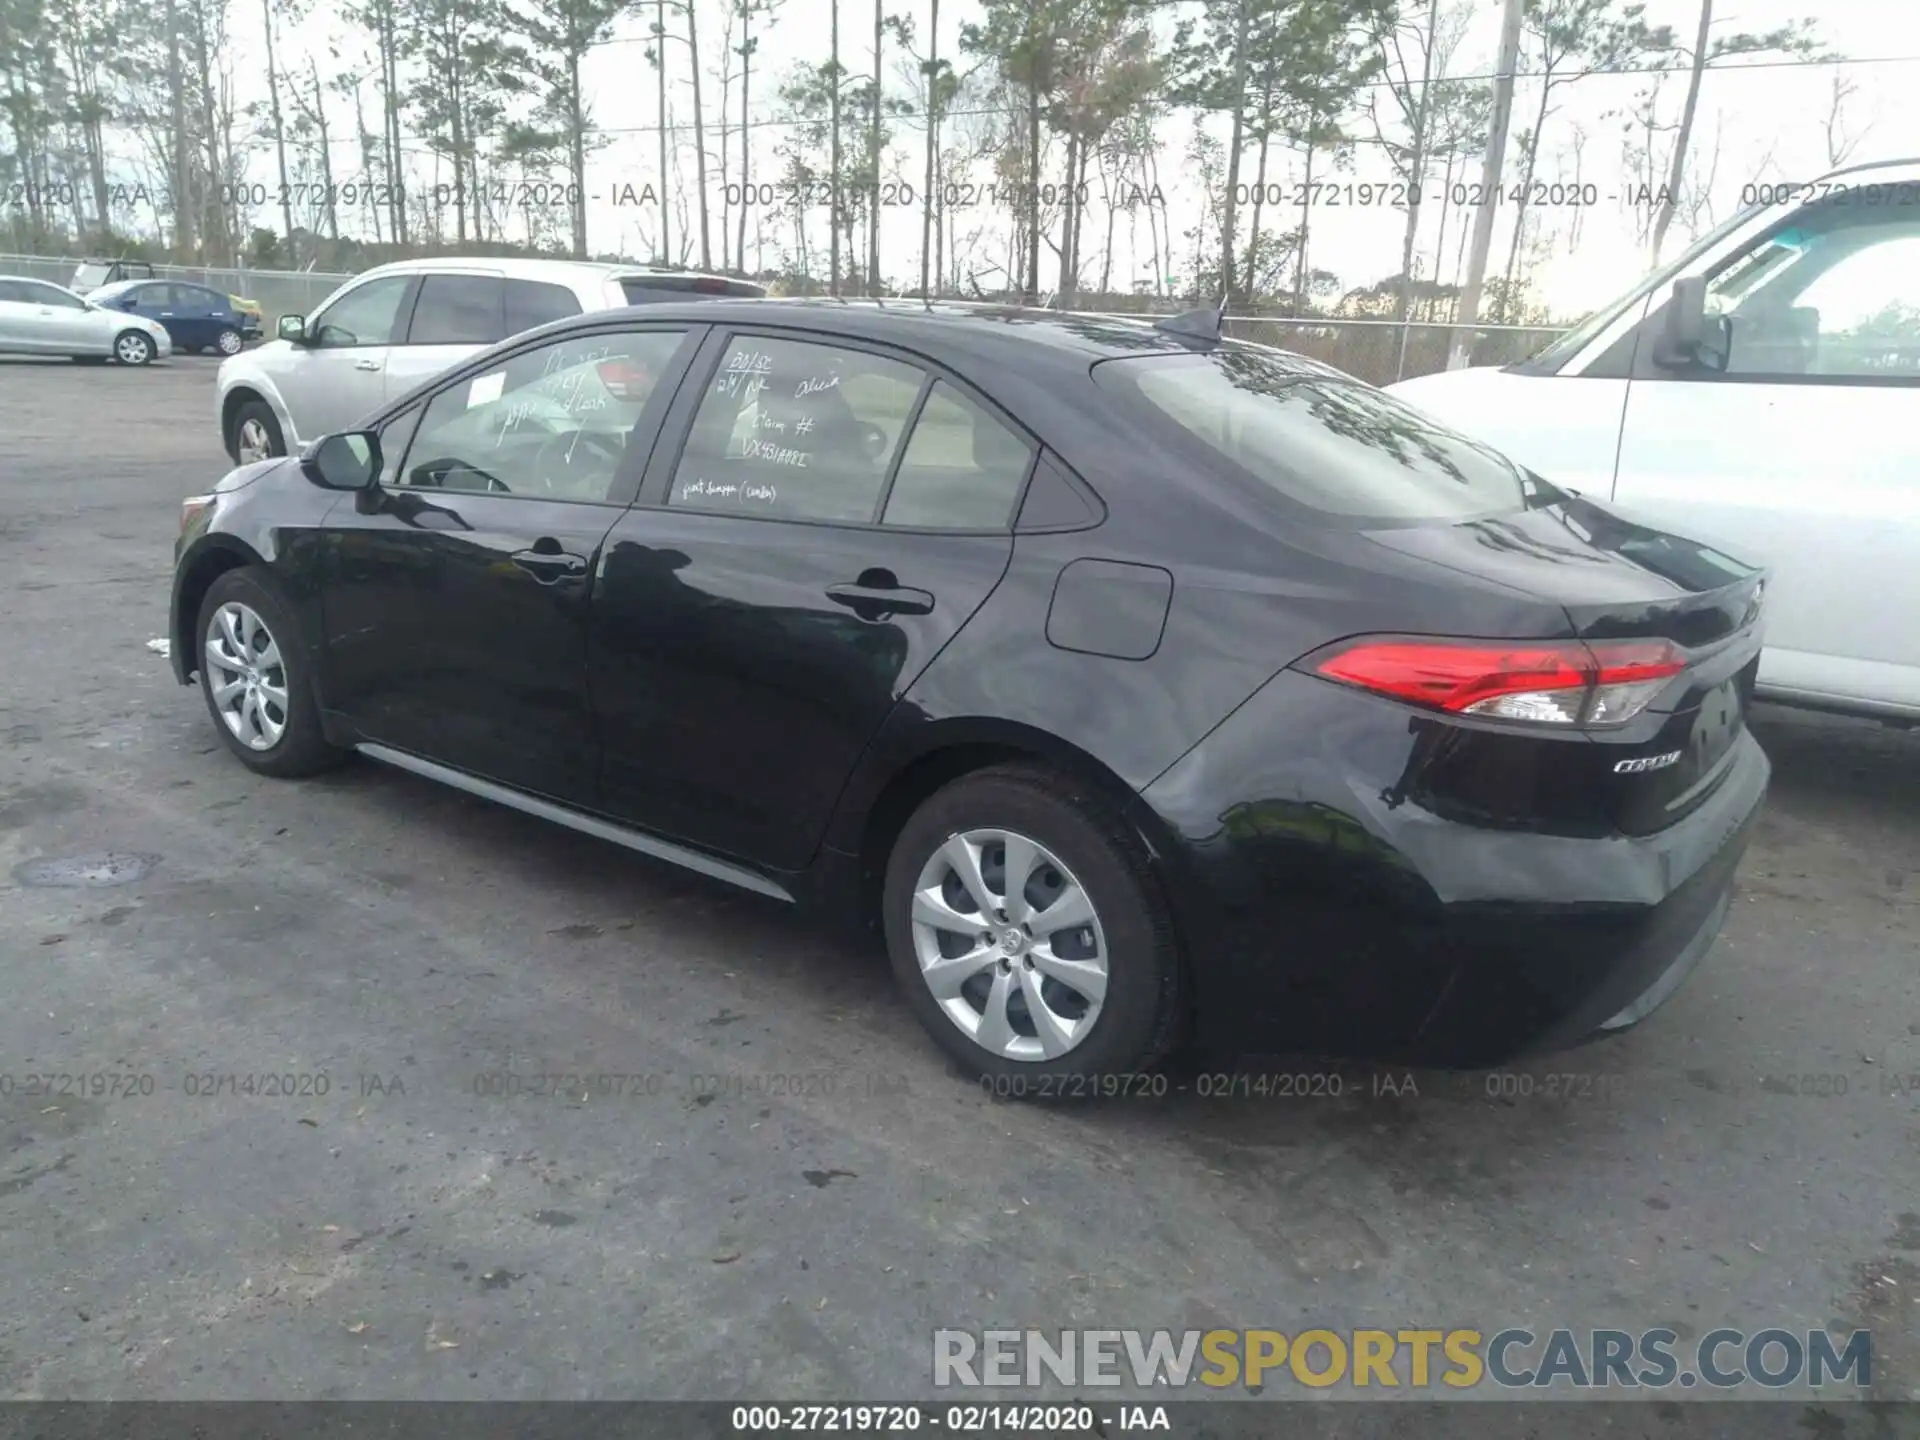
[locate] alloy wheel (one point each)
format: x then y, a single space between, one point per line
246 676
1009 944
252 442
229 342
131 349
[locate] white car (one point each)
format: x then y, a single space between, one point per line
38 317
1761 391
385 331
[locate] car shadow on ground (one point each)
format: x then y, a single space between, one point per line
1859 771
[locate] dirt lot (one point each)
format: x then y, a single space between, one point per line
1748 1158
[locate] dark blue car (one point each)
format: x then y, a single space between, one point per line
198 317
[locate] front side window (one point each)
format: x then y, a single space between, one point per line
962 470
796 430
365 315
41 293
552 423
1336 447
1836 293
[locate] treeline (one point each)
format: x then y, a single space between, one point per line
1198 136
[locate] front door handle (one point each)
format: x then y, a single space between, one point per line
875 602
549 567
366 364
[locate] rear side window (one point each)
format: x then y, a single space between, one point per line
652 289
532 303
797 431
458 310
1336 447
962 471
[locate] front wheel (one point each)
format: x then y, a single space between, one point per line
133 348
254 674
256 434
1025 923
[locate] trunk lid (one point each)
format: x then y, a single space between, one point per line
1619 580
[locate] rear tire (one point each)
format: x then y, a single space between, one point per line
1108 983
255 434
255 677
228 341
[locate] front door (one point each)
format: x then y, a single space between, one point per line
1804 453
336 377
455 598
62 322
833 518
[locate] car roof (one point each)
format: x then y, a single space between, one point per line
521 267
985 332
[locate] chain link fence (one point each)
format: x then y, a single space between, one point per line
280 292
1377 351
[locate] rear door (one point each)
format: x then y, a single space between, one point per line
1804 453
62 322
455 595
820 519
454 315
178 308
205 313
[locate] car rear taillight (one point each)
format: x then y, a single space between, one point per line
1552 682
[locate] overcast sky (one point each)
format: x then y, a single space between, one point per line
1766 123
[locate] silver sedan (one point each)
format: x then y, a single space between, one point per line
38 317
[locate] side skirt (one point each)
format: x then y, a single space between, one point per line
587 824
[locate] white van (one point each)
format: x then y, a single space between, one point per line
1761 391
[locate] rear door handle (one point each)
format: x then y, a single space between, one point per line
872 602
549 567
366 364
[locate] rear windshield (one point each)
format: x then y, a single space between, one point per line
1337 447
640 289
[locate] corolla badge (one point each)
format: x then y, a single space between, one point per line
1646 762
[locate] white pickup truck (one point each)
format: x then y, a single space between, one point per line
1760 391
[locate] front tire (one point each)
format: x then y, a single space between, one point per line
256 681
256 434
133 348
1027 928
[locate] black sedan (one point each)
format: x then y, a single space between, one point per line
1137 685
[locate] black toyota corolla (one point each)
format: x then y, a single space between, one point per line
1134 684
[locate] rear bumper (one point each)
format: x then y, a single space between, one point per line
1325 912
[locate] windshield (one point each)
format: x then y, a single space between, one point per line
91 276
107 292
1563 348
1337 447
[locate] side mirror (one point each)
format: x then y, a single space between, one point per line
292 327
348 461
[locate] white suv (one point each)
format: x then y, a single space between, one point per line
385 331
1761 389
